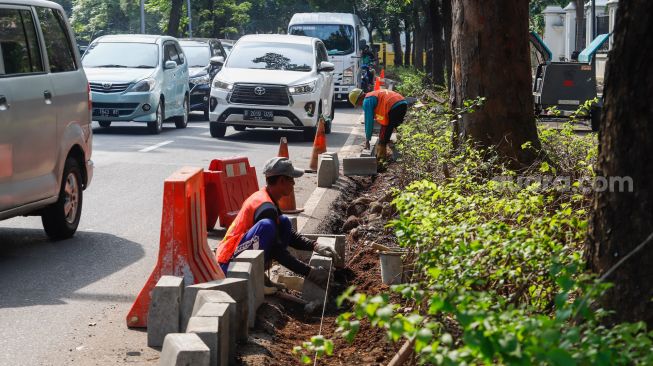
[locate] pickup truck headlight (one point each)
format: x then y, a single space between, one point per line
144 85
200 80
219 84
303 88
348 76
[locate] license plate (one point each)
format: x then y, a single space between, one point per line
107 112
258 115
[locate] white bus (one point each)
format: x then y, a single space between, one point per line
344 36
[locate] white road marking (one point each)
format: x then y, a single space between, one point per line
153 147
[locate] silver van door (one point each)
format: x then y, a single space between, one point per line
32 127
170 78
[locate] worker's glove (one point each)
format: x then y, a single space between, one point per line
326 251
367 144
319 276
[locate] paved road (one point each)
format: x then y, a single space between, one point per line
64 303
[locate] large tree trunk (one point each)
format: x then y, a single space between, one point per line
446 25
490 50
418 39
395 35
580 25
437 63
407 30
175 16
623 219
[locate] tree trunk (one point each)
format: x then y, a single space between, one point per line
622 218
395 35
407 30
580 25
446 25
437 65
490 50
175 16
418 39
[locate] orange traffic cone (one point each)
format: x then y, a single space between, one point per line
283 148
377 84
287 204
382 75
319 144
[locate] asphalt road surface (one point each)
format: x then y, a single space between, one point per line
64 303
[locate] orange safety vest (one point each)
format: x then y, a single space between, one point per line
385 100
239 227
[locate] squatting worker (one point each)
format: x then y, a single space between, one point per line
387 107
260 225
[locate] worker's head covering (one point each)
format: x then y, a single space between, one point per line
354 96
281 166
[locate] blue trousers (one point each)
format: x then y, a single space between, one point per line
265 235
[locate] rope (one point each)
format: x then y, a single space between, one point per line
326 293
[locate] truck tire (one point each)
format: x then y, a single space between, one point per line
60 220
156 127
105 124
217 129
182 121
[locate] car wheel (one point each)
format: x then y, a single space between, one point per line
157 126
309 133
333 108
240 128
182 121
217 129
60 220
105 124
206 113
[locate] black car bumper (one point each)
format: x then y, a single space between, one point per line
199 97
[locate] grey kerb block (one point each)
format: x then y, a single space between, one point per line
339 249
326 170
334 156
359 166
312 292
341 243
257 260
219 297
163 313
207 328
182 349
237 288
220 311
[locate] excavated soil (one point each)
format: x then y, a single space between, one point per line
282 324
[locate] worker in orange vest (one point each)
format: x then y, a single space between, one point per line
387 108
260 225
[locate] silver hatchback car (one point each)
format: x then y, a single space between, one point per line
45 124
140 78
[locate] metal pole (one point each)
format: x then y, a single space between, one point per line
142 16
190 21
593 19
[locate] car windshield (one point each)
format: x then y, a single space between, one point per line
198 56
227 48
272 56
338 39
127 55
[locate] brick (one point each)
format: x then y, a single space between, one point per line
359 166
220 297
181 349
257 260
207 328
340 249
312 292
220 311
163 313
325 171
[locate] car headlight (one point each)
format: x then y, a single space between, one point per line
219 84
144 85
348 76
200 80
303 88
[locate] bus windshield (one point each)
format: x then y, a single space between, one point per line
338 38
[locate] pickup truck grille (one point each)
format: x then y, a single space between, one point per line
112 87
251 94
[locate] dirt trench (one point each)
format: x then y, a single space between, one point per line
361 213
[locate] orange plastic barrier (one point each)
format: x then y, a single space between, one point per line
212 184
183 247
236 181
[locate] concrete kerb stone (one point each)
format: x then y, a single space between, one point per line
326 170
219 297
220 311
339 249
184 349
243 270
257 260
208 329
341 243
163 313
359 166
334 155
312 292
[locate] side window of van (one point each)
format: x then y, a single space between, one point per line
181 59
57 41
19 45
170 53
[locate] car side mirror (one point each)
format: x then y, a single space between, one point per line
217 61
326 66
170 65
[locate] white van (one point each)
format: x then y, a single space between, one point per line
344 36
